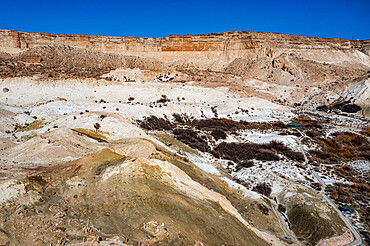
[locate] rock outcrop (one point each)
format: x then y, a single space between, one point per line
281 59
210 50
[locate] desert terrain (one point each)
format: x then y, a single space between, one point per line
235 138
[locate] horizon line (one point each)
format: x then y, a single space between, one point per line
180 35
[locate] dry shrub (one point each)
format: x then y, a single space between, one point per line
349 138
364 151
361 187
313 133
263 188
322 156
307 122
355 194
341 194
294 155
218 134
332 146
181 118
278 124
246 151
209 124
242 182
344 171
247 164
266 125
346 145
244 164
154 123
192 138
281 148
231 125
316 186
275 145
238 152
223 124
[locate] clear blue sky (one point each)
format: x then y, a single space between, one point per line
318 18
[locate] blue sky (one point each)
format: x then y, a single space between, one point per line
317 18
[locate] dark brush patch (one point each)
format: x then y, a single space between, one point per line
281 148
263 188
231 125
322 155
181 118
154 123
345 145
306 122
218 134
192 138
238 152
189 133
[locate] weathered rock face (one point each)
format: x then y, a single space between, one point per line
209 42
204 50
142 201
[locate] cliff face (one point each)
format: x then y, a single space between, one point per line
210 50
208 42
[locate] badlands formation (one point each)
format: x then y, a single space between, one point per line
237 138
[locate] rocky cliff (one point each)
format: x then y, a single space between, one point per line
212 50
